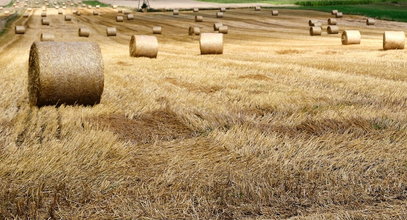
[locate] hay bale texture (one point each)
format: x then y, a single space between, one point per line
68 18
370 21
333 29
219 14
393 40
19 30
45 21
223 29
157 30
47 37
315 31
194 30
222 10
211 43
143 46
351 37
198 18
274 12
339 15
65 73
119 18
314 23
332 21
334 12
216 26
111 31
130 17
83 32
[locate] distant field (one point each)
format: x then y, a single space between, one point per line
387 10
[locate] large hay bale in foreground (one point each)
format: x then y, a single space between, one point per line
332 21
47 37
211 43
198 18
370 21
68 18
65 73
175 12
19 30
45 21
143 46
157 30
223 30
351 37
111 31
333 29
119 18
216 26
393 40
194 30
84 32
315 31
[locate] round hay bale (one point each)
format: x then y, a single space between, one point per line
332 21
274 12
339 15
114 6
333 29
175 12
60 12
83 32
95 12
219 14
216 26
315 31
126 12
198 18
211 43
224 29
334 12
194 30
130 17
111 31
65 73
47 37
351 37
143 46
43 14
97 6
370 21
19 30
89 6
257 8
157 30
314 23
45 21
119 18
78 13
196 10
222 10
26 15
68 18
393 40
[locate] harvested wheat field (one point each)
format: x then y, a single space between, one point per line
282 125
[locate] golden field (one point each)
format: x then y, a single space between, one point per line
281 126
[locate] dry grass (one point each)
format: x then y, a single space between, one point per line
282 125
